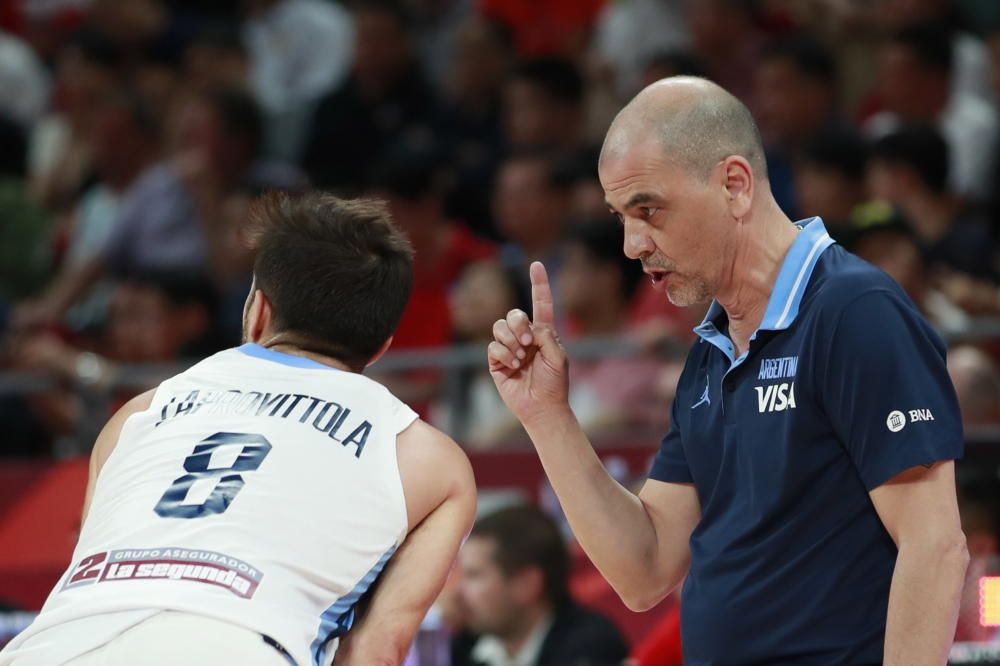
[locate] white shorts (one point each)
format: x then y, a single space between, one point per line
169 638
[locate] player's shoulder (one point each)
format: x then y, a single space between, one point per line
424 446
433 469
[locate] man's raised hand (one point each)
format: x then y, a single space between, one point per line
527 363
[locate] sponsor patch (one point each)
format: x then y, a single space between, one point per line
198 566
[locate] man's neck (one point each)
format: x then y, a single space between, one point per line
760 250
533 618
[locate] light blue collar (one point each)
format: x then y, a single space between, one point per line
783 305
257 351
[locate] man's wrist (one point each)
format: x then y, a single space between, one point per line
550 422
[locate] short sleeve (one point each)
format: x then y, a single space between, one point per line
886 389
670 464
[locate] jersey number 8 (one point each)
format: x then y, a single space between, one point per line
255 449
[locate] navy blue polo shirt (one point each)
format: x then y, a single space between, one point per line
843 387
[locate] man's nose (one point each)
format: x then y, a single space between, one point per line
638 244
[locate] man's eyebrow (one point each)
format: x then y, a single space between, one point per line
640 198
637 199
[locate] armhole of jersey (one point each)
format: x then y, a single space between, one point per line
127 425
405 417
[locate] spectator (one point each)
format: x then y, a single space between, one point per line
909 169
24 82
530 204
914 85
513 584
153 318
299 50
725 38
88 69
972 59
437 25
977 383
215 58
471 410
543 105
172 216
882 238
410 179
830 178
795 91
545 27
596 286
126 142
386 97
671 63
472 118
630 35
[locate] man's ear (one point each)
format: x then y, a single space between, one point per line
738 180
383 349
260 315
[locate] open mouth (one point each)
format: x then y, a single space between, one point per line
658 276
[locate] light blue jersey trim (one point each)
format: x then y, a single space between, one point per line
255 350
783 305
338 618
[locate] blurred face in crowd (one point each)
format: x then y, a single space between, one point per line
144 327
788 104
895 13
826 192
492 600
907 87
81 83
480 62
482 295
888 181
117 144
527 206
210 66
897 255
715 25
678 224
381 48
531 118
586 283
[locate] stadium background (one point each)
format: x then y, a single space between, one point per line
134 133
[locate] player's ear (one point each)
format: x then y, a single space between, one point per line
383 349
259 316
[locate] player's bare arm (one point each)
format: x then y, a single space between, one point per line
108 438
441 506
620 532
920 511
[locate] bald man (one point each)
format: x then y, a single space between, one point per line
805 492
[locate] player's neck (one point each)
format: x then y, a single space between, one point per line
276 343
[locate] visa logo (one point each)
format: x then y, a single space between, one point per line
775 397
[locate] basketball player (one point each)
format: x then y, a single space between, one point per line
237 513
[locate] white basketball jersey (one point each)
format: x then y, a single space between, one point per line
259 488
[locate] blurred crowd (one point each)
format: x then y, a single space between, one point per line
134 133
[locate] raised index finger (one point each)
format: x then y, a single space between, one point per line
542 312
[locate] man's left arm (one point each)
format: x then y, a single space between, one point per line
920 511
887 390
